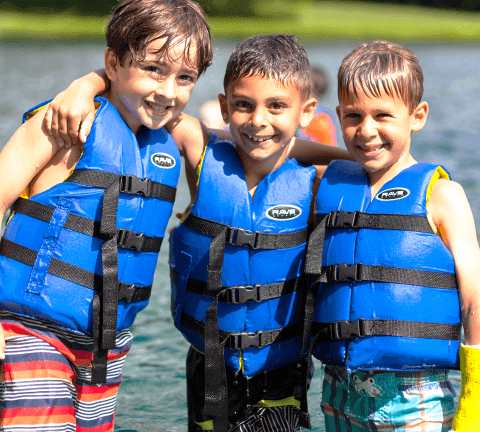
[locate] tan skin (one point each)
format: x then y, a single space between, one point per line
377 131
46 141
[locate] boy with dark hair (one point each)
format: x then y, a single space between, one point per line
400 263
266 97
78 256
237 259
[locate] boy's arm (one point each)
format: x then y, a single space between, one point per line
70 115
452 215
314 153
24 155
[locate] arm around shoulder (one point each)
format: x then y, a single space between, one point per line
25 154
311 152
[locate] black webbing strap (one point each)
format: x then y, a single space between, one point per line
126 239
243 293
128 184
345 330
215 373
358 220
240 237
105 311
243 340
361 272
126 292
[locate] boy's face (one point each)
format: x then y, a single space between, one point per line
154 91
264 114
377 130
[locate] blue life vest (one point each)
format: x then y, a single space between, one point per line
260 260
389 297
119 199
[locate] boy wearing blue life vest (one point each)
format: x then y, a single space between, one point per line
399 275
237 260
78 256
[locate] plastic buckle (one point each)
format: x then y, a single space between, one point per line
133 185
343 272
126 292
245 340
128 239
245 238
343 330
342 219
243 294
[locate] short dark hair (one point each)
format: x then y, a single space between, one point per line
382 66
136 23
279 57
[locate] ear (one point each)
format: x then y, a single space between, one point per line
222 99
308 110
420 116
339 114
111 64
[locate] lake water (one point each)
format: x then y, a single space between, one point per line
152 397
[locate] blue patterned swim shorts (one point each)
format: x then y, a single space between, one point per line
420 401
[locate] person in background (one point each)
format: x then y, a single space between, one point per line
322 127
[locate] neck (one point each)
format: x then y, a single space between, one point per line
255 170
380 177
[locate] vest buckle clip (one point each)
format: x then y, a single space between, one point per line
342 219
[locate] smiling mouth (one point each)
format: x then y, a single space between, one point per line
371 148
259 138
158 109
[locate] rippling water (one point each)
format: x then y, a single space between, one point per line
152 397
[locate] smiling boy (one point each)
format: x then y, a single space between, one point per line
78 256
400 266
237 260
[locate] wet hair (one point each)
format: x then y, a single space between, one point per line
136 23
382 67
279 57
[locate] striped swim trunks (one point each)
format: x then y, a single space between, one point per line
44 379
420 401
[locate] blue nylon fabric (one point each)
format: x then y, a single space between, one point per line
345 187
113 147
223 197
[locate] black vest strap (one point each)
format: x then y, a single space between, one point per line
240 237
126 292
128 184
243 340
345 330
243 293
216 380
361 272
126 239
358 220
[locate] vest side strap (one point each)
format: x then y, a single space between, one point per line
345 330
243 294
240 237
343 219
360 272
243 340
127 239
128 184
126 292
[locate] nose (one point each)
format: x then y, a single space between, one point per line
167 88
258 117
367 128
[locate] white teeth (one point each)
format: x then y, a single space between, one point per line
259 139
157 108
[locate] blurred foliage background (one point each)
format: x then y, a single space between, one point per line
231 20
239 8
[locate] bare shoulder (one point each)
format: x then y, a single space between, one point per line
448 195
